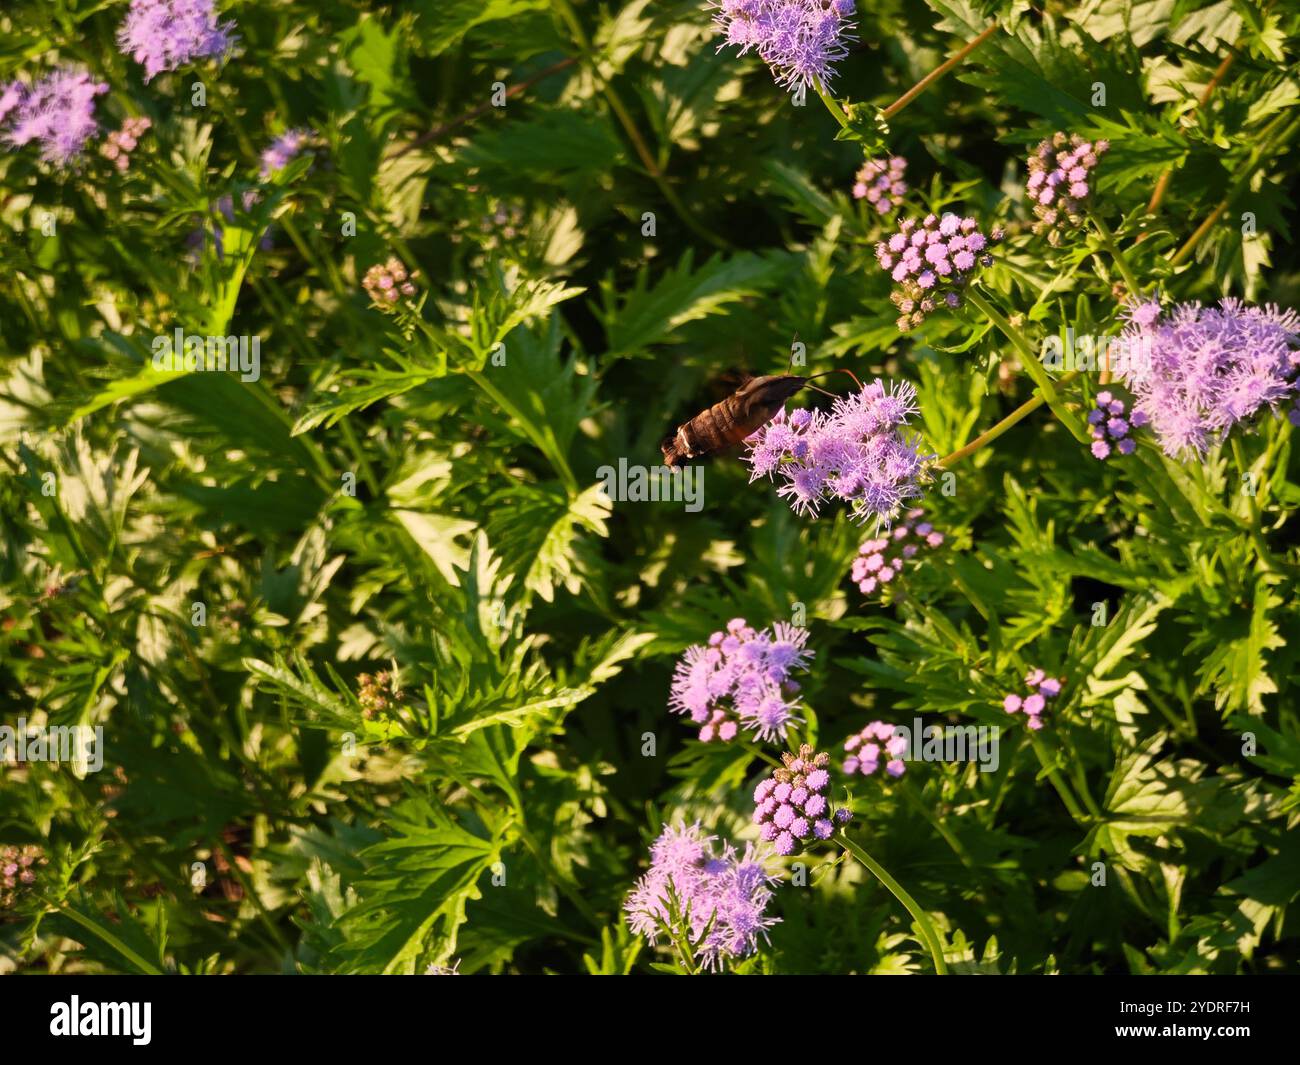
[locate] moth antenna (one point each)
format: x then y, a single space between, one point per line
838 369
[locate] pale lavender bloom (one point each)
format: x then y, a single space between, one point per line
742 679
857 453
57 111
800 40
721 896
166 34
1059 182
284 149
1208 368
865 749
954 250
881 184
879 559
1042 688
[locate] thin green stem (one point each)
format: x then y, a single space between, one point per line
932 941
1015 417
1111 245
1029 359
832 105
938 72
1252 503
1059 783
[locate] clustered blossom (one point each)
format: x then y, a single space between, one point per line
800 40
57 111
880 182
385 283
857 453
882 559
18 867
791 805
1032 705
931 261
1109 426
865 749
1060 182
742 679
284 149
718 896
1208 368
119 144
377 693
166 34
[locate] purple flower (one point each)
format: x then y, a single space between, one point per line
856 453
865 749
1059 182
1203 370
718 898
888 555
167 34
800 40
742 679
949 262
881 183
284 149
57 111
1042 688
798 793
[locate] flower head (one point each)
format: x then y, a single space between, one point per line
1042 688
880 182
742 679
857 453
119 144
799 40
284 149
1205 369
792 807
56 111
931 261
718 896
166 34
876 745
1060 182
386 283
18 867
882 558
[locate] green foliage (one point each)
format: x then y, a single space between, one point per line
383 671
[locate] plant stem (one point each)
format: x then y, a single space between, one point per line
932 941
938 72
1256 536
570 18
1058 782
1016 416
1030 361
1111 245
832 105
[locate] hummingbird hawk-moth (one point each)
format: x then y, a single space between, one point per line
731 420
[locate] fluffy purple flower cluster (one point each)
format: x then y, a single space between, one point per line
1060 181
880 182
166 34
857 453
1209 368
742 679
57 111
791 805
931 261
720 897
865 748
1109 426
284 149
1042 688
880 560
800 40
